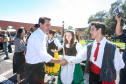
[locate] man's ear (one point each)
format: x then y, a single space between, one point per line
40 24
100 30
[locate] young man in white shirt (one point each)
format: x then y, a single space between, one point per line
36 53
102 57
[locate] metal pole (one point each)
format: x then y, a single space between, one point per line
63 29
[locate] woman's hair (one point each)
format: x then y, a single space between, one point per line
52 32
72 40
18 35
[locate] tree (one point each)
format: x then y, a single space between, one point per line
123 6
109 17
110 20
80 29
99 16
87 31
70 27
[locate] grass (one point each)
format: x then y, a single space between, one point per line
118 43
82 42
122 45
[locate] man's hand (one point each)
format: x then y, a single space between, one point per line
63 62
118 26
118 18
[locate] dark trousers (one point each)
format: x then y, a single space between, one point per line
9 48
1 45
34 73
94 78
123 71
122 76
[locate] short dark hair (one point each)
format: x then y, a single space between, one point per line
37 25
99 25
42 20
52 32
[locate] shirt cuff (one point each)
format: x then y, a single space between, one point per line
48 58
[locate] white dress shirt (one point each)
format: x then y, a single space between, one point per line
36 48
118 61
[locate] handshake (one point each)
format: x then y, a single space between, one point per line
63 62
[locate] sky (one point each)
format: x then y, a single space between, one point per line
74 13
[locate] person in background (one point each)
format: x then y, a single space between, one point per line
2 34
77 37
18 58
1 44
86 38
54 46
9 46
5 41
36 26
28 35
114 37
71 73
122 37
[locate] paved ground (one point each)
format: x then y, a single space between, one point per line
6 70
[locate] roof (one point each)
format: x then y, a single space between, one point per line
16 25
4 24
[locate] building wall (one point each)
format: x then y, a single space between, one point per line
80 34
4 25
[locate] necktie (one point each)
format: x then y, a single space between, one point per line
96 52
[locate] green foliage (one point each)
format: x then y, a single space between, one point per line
32 30
80 29
110 20
109 17
99 16
87 31
70 27
65 30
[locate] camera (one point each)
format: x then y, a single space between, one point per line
117 11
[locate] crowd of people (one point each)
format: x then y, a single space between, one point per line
5 43
38 55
